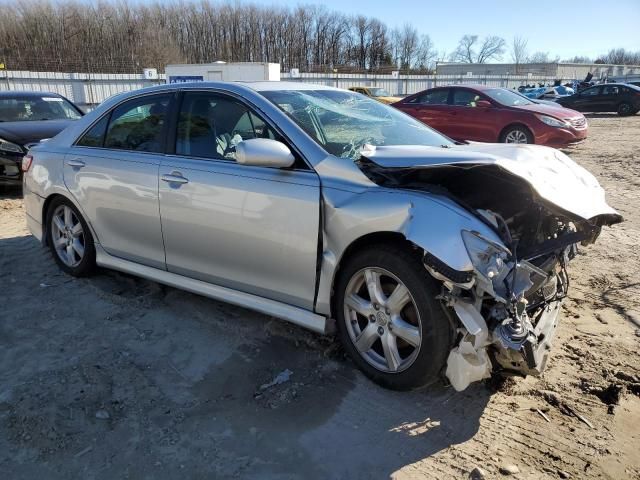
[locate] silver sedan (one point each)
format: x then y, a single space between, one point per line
319 206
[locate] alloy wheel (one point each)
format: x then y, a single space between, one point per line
382 320
67 236
516 136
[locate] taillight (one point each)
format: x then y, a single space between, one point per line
26 162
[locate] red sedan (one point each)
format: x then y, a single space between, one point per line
490 114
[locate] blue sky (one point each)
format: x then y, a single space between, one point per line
563 28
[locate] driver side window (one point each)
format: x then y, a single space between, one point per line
211 125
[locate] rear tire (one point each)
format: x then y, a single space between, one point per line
401 337
70 239
516 134
625 109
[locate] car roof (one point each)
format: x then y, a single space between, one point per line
27 93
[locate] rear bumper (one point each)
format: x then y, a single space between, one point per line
33 205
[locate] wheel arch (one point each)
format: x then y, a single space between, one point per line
366 241
516 124
45 208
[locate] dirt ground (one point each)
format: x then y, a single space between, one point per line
116 377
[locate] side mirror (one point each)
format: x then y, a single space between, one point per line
264 152
484 104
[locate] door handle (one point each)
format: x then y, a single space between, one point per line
76 163
174 177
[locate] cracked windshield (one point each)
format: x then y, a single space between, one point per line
343 122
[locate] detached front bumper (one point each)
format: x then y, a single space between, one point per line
479 355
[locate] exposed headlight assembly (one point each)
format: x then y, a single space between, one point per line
10 147
490 261
553 122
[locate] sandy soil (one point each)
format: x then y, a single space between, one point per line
117 377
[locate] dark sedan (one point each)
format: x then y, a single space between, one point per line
26 118
609 97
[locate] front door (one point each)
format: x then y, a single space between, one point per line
112 172
588 100
253 229
470 121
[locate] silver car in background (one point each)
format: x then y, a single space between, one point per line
327 209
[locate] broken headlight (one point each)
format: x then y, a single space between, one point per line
488 258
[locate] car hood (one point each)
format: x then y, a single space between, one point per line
556 110
388 100
551 174
27 132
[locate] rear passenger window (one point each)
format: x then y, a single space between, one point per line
139 125
436 97
95 136
610 90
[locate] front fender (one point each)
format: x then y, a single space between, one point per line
431 222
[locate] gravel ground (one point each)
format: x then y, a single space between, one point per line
118 377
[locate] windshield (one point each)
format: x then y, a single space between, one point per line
507 97
31 108
379 92
342 122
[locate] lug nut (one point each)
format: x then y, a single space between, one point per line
380 331
372 318
376 306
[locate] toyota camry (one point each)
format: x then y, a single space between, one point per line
330 210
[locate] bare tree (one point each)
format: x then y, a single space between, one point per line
492 48
519 51
620 56
471 50
426 54
465 51
542 57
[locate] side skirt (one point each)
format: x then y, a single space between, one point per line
299 316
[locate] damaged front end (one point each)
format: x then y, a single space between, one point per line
506 308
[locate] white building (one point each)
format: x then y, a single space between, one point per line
222 71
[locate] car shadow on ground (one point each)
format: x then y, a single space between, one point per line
602 115
122 376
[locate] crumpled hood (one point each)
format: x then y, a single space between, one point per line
553 176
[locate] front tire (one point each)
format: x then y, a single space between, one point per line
516 134
70 239
389 320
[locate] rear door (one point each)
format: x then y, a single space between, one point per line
253 229
112 171
431 108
